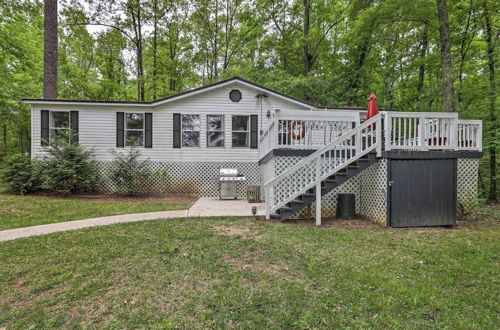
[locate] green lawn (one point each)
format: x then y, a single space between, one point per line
22 211
229 272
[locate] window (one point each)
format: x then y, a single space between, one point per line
190 128
134 129
59 124
235 95
215 130
241 131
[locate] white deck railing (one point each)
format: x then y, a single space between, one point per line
310 130
470 135
423 131
323 163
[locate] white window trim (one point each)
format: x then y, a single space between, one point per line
58 128
190 130
125 129
247 131
221 130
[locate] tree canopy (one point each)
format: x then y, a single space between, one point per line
328 52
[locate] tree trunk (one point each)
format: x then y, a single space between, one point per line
464 47
50 50
307 24
155 46
5 135
446 72
140 61
421 68
492 196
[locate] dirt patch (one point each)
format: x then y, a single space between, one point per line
255 263
232 231
341 223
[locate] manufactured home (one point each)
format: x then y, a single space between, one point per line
404 168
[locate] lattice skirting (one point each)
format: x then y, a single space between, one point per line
373 190
200 178
467 180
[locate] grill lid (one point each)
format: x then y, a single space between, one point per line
228 172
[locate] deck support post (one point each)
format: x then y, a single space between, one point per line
318 203
318 191
378 136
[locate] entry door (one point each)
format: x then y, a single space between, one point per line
422 192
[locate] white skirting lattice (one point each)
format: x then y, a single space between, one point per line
373 188
200 178
467 180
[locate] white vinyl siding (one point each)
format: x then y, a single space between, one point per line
97 125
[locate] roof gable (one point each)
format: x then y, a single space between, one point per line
180 96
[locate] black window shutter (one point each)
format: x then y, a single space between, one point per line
74 124
44 125
254 128
119 130
177 130
148 139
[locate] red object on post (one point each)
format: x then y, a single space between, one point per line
372 109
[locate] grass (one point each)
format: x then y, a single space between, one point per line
23 211
230 272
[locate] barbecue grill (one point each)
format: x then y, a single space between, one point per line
228 180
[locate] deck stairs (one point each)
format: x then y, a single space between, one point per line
323 170
327 185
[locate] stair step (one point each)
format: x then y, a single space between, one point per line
327 185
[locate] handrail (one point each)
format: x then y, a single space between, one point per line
322 150
326 161
266 131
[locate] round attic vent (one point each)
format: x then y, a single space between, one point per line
235 95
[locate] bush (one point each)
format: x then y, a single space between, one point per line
70 168
22 175
131 176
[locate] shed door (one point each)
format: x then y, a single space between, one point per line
423 192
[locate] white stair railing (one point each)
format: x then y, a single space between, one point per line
323 163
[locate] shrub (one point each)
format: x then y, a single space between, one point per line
128 173
22 175
70 167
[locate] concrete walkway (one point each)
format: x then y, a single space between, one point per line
214 207
204 207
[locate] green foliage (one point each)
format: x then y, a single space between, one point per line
353 48
22 175
32 210
70 167
131 175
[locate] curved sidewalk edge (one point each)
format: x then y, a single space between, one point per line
11 234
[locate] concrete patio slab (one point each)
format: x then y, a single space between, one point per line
214 207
